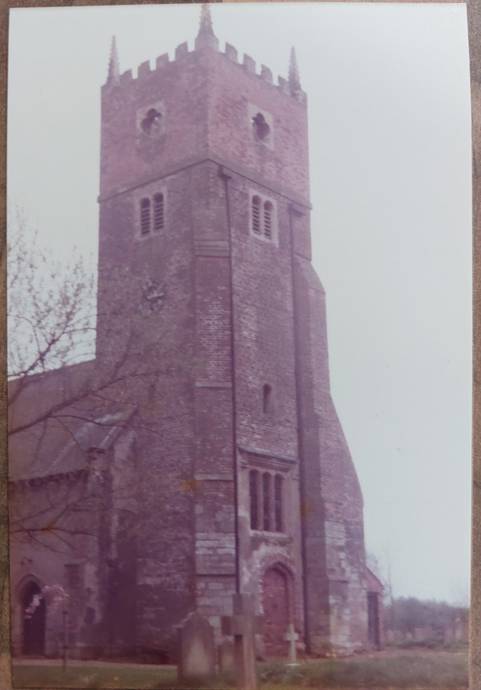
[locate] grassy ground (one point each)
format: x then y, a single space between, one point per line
389 670
407 670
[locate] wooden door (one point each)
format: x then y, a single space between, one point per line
33 621
276 612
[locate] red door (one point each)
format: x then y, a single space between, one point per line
276 612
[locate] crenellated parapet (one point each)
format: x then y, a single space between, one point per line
207 41
230 53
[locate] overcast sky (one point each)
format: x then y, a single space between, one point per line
390 163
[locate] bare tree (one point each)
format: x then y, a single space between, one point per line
50 306
57 392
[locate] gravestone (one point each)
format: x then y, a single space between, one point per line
243 625
420 634
458 632
196 649
292 637
448 634
226 656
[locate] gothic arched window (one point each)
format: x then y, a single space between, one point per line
254 500
159 211
256 215
278 508
266 501
145 216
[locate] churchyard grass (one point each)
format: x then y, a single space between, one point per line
389 670
91 675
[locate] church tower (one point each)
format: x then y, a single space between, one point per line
213 318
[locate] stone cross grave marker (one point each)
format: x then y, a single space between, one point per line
243 625
196 648
291 636
226 656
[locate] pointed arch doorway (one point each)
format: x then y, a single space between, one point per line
276 601
33 637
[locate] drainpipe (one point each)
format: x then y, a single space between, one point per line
225 179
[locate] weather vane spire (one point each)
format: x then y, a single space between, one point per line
114 72
206 36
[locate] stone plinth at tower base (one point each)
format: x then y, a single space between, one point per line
196 649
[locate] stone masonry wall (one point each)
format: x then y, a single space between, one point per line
332 499
150 344
214 465
267 440
46 557
177 351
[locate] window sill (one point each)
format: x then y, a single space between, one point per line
268 534
142 237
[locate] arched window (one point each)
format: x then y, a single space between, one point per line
254 501
256 215
279 526
266 398
159 212
145 216
263 220
268 209
34 619
266 501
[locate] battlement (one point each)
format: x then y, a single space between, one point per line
265 73
206 100
230 53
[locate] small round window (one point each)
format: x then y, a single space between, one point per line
151 123
261 128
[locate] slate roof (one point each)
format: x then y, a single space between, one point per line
374 584
43 444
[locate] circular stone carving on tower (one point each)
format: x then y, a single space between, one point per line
153 295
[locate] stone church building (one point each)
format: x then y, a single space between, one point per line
200 453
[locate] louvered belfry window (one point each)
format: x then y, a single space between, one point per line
263 219
152 214
256 215
268 219
145 218
159 211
